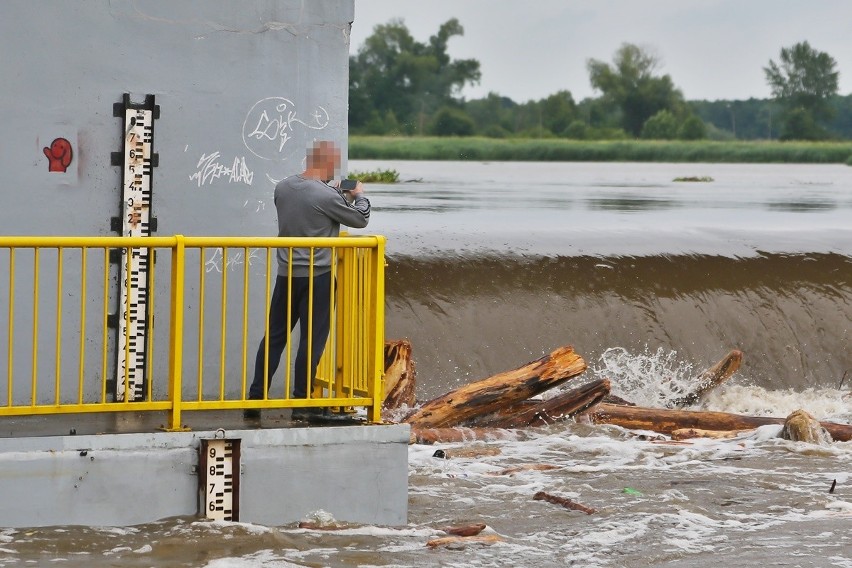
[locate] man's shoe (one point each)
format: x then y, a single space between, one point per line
342 418
308 414
251 414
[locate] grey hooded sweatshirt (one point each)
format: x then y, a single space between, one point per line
310 208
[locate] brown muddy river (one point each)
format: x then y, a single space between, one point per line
492 265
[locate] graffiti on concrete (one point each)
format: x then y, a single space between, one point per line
271 122
59 155
217 260
210 169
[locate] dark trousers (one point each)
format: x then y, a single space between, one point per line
278 326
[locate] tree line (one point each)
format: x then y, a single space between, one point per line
401 86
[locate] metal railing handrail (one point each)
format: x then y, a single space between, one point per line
365 274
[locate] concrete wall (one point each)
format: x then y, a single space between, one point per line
243 88
356 473
215 67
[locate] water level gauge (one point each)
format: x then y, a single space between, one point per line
219 479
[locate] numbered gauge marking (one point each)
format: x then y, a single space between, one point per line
135 276
219 479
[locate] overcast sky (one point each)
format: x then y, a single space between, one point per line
713 49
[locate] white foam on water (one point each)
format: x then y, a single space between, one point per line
118 531
840 506
376 531
265 558
221 526
653 378
823 403
116 550
649 378
614 532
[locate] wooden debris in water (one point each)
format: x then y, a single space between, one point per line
542 412
688 433
801 426
461 541
710 379
489 395
455 435
471 452
400 375
666 421
465 530
567 503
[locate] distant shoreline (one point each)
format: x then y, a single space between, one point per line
562 150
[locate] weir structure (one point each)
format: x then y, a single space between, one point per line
128 334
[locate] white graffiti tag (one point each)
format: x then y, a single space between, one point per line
271 123
210 169
235 259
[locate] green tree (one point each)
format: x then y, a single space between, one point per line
452 122
661 126
393 72
558 111
799 124
693 128
804 79
630 84
492 114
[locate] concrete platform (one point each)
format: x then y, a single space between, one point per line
119 470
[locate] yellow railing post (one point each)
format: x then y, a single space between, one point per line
378 332
176 335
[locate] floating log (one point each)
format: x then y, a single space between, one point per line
541 412
613 399
666 420
567 503
710 379
688 433
489 395
463 540
400 375
474 452
455 435
465 530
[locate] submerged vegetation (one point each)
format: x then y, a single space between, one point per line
376 176
561 150
694 178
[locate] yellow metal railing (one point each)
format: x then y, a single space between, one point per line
58 331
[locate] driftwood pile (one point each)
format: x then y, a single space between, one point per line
501 406
496 407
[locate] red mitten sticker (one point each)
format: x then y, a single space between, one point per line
59 155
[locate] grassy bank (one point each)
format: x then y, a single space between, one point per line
560 150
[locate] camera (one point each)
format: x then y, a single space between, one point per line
348 184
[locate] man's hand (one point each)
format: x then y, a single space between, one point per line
359 189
